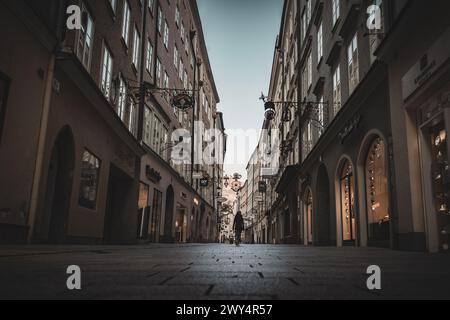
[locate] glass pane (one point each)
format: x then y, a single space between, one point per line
90 170
377 192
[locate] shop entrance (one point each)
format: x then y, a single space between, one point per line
436 172
348 212
168 220
119 191
308 209
59 187
181 225
377 194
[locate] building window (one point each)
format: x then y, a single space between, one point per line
160 19
353 64
308 11
4 87
156 138
136 46
320 43
166 80
166 35
85 39
147 135
126 22
337 90
182 31
185 80
376 37
122 99
90 172
175 57
151 4
348 203
177 16
132 117
310 71
378 216
321 116
181 70
149 61
158 72
336 11
113 4
107 69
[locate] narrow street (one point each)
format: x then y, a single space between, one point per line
220 272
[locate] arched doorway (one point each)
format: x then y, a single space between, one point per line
308 211
347 197
168 219
377 194
323 207
59 187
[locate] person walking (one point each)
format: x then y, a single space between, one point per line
238 227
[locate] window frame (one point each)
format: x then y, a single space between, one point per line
95 202
106 49
126 36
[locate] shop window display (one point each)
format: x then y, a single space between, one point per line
377 192
441 182
348 201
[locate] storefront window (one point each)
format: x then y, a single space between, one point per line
347 201
144 212
377 192
155 216
90 170
441 182
308 216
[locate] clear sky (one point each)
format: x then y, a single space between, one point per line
240 37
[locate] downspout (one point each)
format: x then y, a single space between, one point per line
43 126
191 37
140 128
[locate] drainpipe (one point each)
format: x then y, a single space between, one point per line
42 138
140 126
191 39
42 135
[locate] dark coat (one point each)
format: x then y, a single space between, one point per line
238 223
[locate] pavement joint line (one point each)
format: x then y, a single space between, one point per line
165 281
112 249
210 289
293 281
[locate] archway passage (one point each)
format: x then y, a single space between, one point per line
323 208
377 194
168 219
348 212
59 187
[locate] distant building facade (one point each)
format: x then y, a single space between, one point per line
90 159
364 162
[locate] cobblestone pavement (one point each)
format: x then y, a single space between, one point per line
203 272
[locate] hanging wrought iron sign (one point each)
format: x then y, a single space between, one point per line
183 101
204 182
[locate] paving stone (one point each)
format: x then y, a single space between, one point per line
208 272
